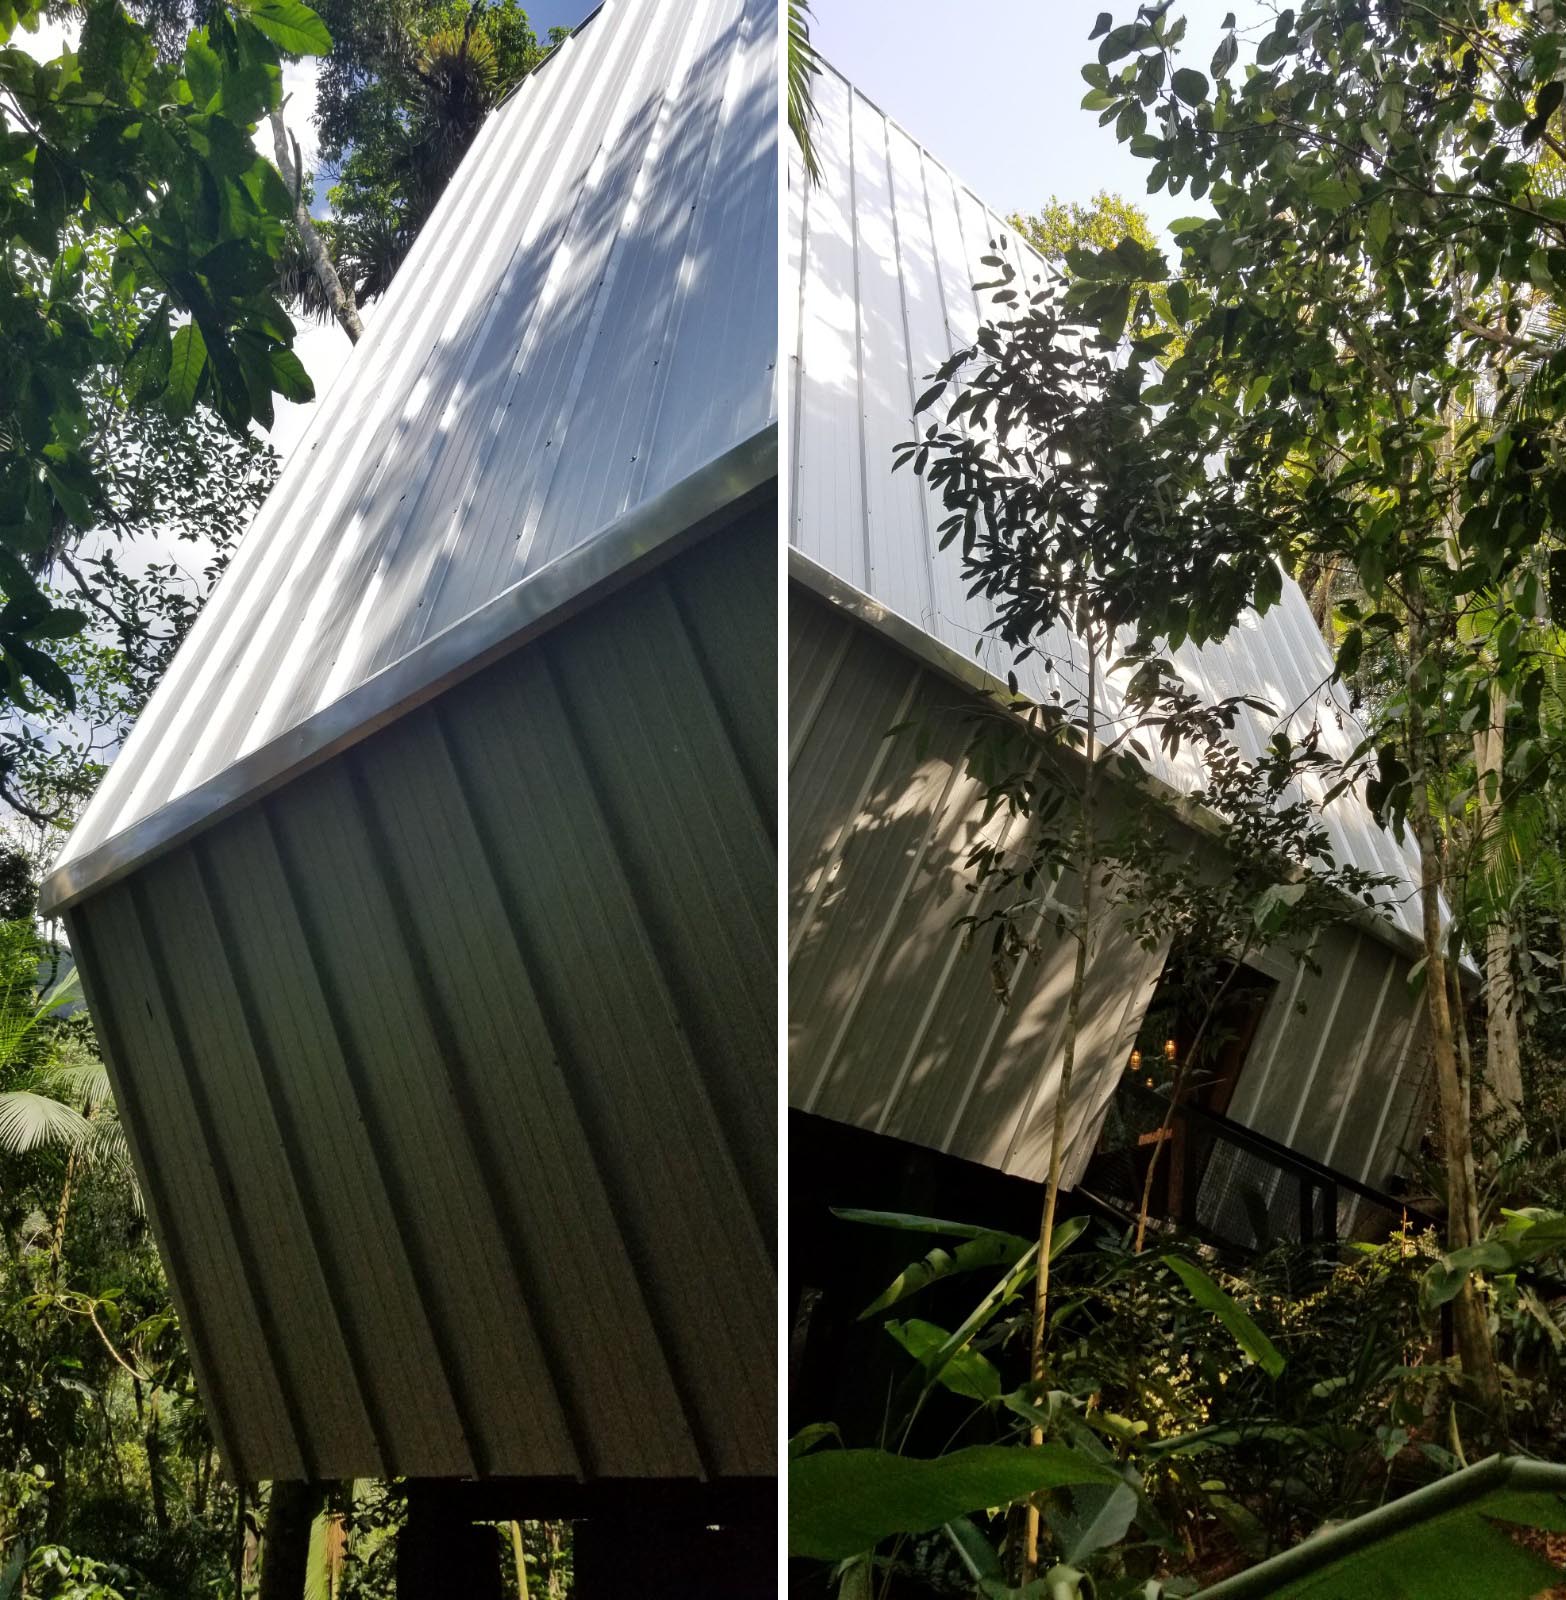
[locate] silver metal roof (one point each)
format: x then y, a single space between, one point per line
883 255
588 319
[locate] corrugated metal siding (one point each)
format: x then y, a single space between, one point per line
886 252
895 1027
589 316
449 1067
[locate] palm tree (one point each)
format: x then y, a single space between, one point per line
58 1095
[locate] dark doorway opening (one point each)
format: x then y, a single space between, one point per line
1195 1038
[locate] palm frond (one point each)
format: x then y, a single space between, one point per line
804 65
32 1121
81 1084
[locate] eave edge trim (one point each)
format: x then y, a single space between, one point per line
642 539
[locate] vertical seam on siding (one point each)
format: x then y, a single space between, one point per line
927 565
169 1241
510 1227
1321 1044
1255 1098
680 1382
675 320
1357 1069
829 866
805 723
796 436
461 1405
315 1215
859 356
871 960
764 806
200 1105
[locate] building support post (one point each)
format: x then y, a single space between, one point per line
441 1552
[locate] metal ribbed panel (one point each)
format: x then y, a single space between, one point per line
448 1066
888 251
589 316
895 1026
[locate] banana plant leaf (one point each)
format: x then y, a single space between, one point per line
844 1502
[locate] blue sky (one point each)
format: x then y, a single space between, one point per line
994 88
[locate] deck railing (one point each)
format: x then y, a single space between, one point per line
1230 1185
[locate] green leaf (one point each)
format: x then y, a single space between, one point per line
1273 905
47 673
906 1222
844 1502
187 357
289 377
965 1373
290 26
1190 85
986 1250
1101 1515
1187 225
1256 1345
1378 226
810 1436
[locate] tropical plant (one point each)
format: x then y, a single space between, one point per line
107 148
803 66
1195 1417
399 98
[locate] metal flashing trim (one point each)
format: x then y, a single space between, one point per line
648 535
952 664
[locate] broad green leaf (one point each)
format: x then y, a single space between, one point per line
187 357
906 1222
966 1372
1211 1298
1274 903
811 1435
986 1250
1101 1515
290 26
1378 226
289 377
842 1503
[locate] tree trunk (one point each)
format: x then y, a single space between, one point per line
156 1465
338 295
1474 1347
1503 1047
1086 855
556 1548
1321 597
285 1544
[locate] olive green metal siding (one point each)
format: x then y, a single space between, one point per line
449 1067
895 1027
